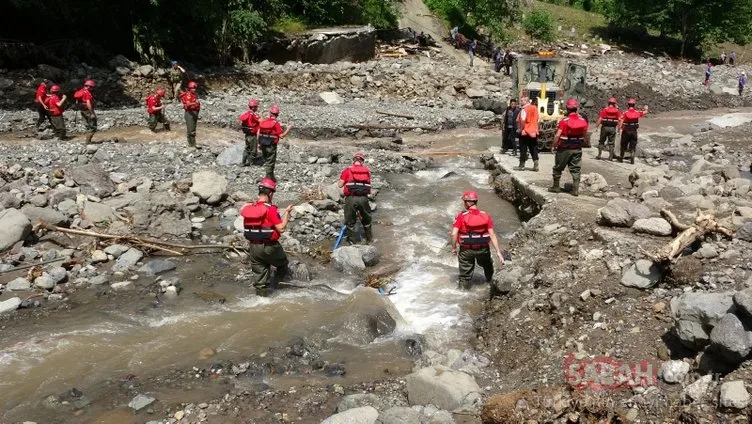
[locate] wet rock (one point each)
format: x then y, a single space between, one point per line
400 415
441 386
745 232
734 395
642 274
19 284
140 402
697 390
97 213
10 305
468 361
14 227
158 266
99 280
335 370
44 282
121 285
348 259
46 215
92 179
652 226
674 371
359 400
369 254
232 155
116 250
729 340
209 186
128 259
362 415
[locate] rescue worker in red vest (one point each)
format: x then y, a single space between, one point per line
356 181
608 120
473 231
155 109
568 142
55 105
629 123
249 122
263 225
86 101
44 113
192 107
268 135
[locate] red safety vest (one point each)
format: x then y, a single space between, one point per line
474 231
267 132
573 132
250 121
610 116
360 181
152 102
256 223
632 119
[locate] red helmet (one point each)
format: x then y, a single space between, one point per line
193 84
160 92
572 104
274 110
612 100
55 89
89 83
253 103
268 183
470 196
632 101
359 155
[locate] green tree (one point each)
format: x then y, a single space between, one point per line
539 25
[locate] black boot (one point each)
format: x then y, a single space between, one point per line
555 186
535 165
600 150
576 188
368 233
521 167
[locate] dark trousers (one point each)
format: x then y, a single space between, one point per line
263 257
270 160
467 259
160 118
353 206
571 158
58 126
608 136
509 139
530 144
628 142
44 115
90 119
191 119
251 149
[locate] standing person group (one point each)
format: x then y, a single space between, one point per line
51 103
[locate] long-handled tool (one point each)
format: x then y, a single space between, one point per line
339 238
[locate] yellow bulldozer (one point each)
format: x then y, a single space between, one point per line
552 80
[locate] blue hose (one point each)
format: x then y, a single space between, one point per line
339 238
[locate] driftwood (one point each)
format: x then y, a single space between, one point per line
688 234
143 242
398 115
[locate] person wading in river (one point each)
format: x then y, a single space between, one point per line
263 225
356 181
473 231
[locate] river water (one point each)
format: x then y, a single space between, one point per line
92 345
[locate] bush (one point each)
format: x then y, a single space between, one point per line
381 14
539 25
290 25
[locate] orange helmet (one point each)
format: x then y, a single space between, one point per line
268 183
572 104
193 84
359 155
274 110
89 83
160 92
470 196
253 103
55 89
632 101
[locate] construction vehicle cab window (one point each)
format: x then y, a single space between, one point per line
551 80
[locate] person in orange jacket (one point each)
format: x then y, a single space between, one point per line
528 128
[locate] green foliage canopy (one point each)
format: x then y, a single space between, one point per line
538 24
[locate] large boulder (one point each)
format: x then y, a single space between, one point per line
745 232
14 227
232 155
743 302
496 106
642 274
443 387
45 215
330 98
209 186
622 213
367 316
93 180
348 259
400 415
728 340
9 305
98 212
652 226
697 313
362 415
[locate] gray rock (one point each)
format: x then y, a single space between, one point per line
476 93
642 274
19 284
745 232
209 186
333 192
441 386
400 415
128 259
121 61
14 227
652 226
674 371
10 305
98 256
99 280
692 334
68 207
331 98
325 205
58 274
46 215
729 341
469 362
44 282
441 417
707 251
92 179
705 308
369 254
116 250
144 70
348 259
362 415
697 390
140 402
621 213
97 213
40 200
9 201
232 155
158 266
358 400
121 285
594 182
743 301
734 395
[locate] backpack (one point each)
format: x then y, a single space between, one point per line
266 139
79 94
474 231
254 217
361 181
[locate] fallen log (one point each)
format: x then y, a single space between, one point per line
398 115
704 224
